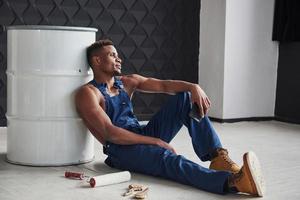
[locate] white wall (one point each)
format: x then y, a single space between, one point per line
249 65
211 60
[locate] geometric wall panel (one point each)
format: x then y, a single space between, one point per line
158 38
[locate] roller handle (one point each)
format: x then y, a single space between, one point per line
74 175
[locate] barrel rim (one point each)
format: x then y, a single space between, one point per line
66 73
49 164
46 27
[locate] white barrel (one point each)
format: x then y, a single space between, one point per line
45 66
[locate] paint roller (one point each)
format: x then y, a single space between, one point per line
109 179
102 180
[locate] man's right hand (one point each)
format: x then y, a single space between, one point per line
165 145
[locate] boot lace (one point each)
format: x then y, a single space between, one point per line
225 157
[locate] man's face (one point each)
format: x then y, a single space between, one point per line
110 62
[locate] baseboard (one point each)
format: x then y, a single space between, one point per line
288 120
3 122
232 120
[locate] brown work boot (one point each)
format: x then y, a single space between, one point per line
221 161
249 179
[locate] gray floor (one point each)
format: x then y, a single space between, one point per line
276 144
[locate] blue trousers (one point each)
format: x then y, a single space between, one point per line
157 161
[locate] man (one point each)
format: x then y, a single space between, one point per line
104 105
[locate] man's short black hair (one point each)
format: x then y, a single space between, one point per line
95 47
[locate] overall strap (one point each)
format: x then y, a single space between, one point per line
118 84
102 88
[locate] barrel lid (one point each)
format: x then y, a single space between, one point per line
45 27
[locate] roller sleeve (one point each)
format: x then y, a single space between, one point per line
109 179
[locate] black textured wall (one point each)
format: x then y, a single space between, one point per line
158 38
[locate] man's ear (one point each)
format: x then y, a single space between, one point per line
96 60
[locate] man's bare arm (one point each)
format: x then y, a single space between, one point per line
88 106
145 84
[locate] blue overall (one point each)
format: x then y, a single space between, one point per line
155 160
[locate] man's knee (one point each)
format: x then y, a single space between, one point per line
181 102
185 99
184 96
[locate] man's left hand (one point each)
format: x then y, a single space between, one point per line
199 97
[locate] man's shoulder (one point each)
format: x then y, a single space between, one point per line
86 87
130 81
125 77
87 90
